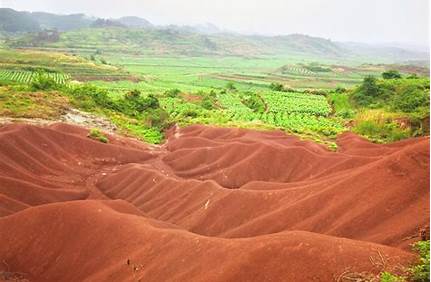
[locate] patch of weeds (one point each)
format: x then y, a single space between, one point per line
95 134
421 271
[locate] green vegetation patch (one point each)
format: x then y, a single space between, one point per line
97 135
27 104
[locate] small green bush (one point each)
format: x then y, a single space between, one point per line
417 273
190 113
391 74
367 92
340 90
43 82
253 102
410 99
421 271
95 134
173 93
230 86
89 97
345 113
389 277
275 86
156 118
134 104
378 131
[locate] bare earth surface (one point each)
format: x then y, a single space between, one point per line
211 204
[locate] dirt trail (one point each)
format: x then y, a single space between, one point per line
212 204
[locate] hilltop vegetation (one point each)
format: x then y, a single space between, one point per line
387 109
114 36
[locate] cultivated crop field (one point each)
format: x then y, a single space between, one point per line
221 81
29 76
294 112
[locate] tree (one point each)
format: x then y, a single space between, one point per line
391 74
368 92
133 95
230 86
172 92
369 87
276 86
410 99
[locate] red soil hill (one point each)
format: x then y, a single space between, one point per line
211 204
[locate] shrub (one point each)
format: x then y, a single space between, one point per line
417 273
381 131
410 99
230 86
345 113
153 135
421 271
391 74
367 92
156 118
190 113
389 277
340 90
173 93
319 92
43 82
88 97
95 134
207 103
275 86
135 104
253 101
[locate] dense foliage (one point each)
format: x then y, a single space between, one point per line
391 74
407 95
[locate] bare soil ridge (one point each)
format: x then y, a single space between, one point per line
212 204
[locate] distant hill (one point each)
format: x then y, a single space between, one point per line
134 22
61 22
13 21
138 36
106 23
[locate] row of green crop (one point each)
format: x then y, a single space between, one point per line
281 102
233 111
297 70
288 102
29 76
294 122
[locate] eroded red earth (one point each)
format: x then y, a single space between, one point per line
211 204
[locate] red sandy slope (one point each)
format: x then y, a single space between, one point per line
210 205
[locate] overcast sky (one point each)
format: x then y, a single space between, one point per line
372 21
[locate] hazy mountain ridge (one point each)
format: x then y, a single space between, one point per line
135 33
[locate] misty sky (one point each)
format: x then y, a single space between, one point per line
372 21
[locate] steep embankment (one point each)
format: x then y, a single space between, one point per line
211 204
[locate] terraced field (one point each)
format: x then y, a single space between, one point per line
292 69
29 76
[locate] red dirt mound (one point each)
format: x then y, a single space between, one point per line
212 204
